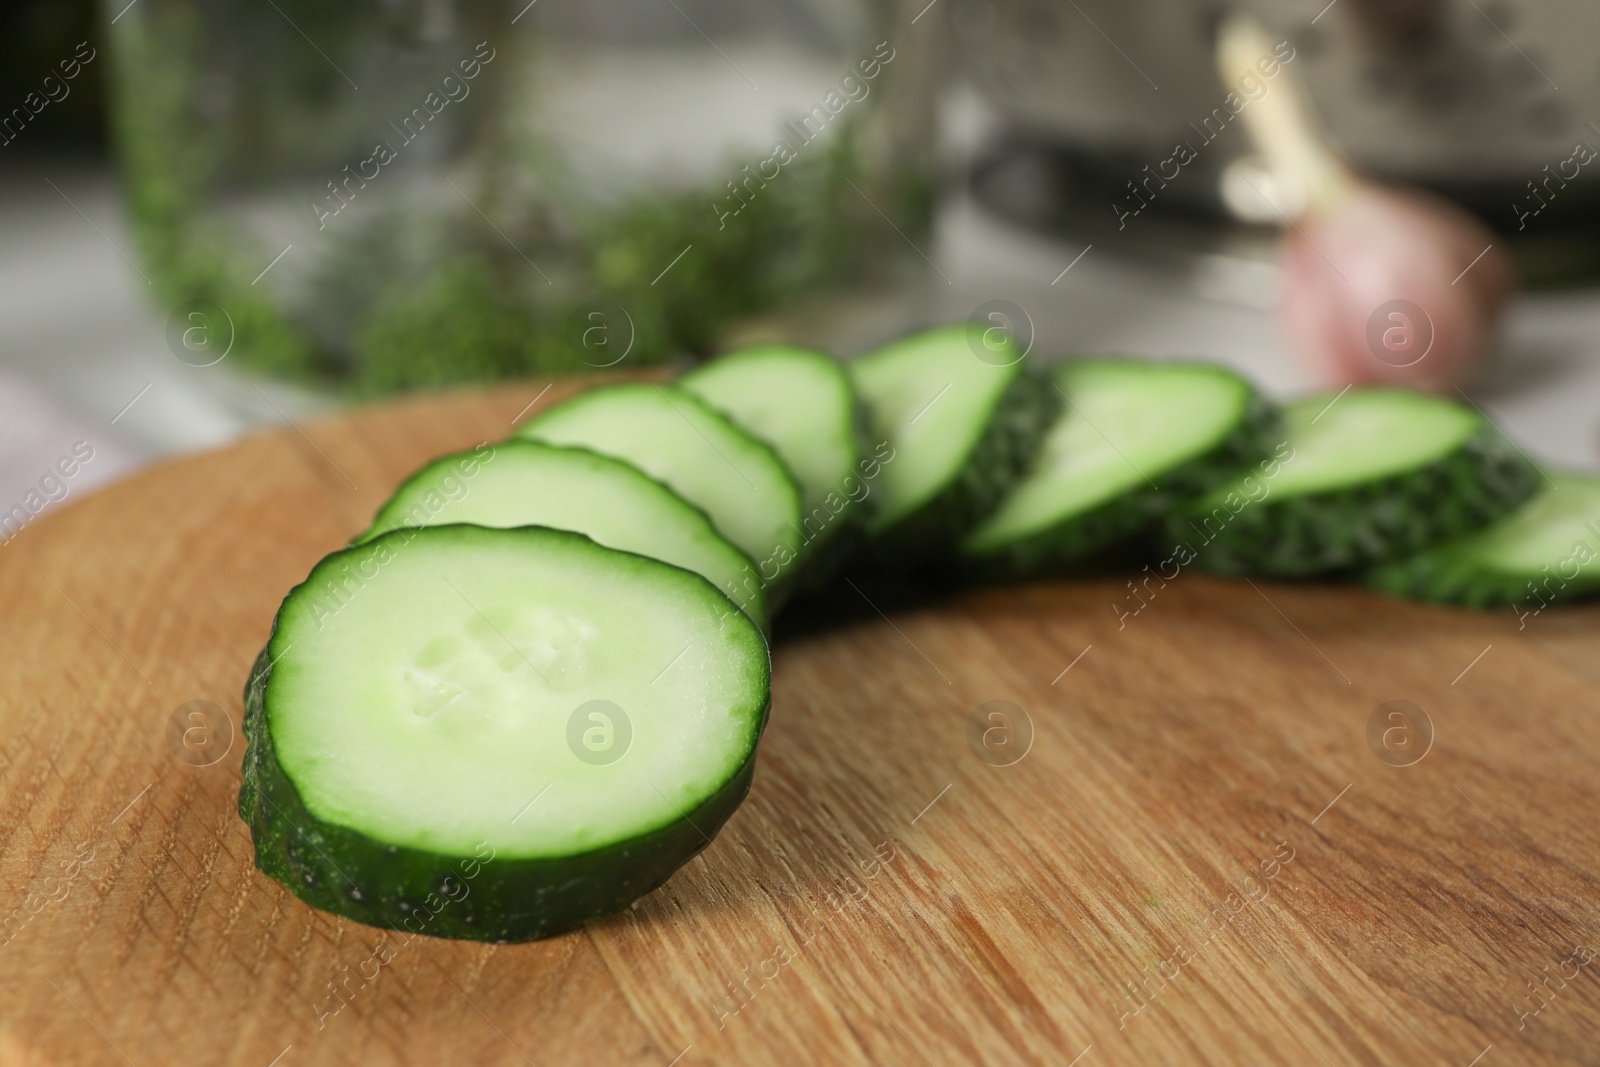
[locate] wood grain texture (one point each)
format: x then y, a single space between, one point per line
885 895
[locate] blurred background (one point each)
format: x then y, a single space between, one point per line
217 214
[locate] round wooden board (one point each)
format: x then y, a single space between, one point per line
1199 858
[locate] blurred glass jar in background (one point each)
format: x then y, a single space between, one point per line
401 193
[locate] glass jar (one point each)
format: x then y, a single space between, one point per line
402 193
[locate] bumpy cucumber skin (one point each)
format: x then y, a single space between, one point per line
1134 516
1454 573
476 898
1319 533
1444 577
1018 424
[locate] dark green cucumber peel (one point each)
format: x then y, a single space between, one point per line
1020 419
1305 534
1130 520
1547 551
478 896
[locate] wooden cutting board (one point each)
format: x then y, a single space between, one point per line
1199 856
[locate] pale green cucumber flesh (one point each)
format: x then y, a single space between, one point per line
961 430
1133 437
1367 475
1369 434
1545 551
931 397
698 453
529 483
802 404
414 709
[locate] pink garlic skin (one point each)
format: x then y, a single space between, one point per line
1371 248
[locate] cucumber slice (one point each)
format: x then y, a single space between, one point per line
526 483
1134 439
961 431
802 403
424 753
1544 552
700 455
1370 475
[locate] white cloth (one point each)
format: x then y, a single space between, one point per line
49 456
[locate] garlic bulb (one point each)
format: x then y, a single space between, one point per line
1379 284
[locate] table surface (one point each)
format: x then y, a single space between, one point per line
1204 854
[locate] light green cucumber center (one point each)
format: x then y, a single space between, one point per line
1366 435
1548 529
425 691
803 410
526 483
1122 423
931 398
671 436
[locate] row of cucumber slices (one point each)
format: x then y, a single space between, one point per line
533 688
